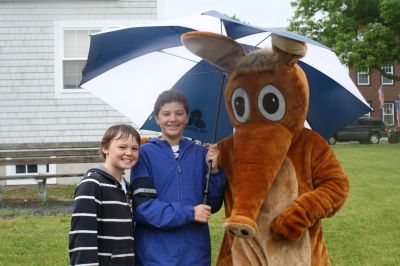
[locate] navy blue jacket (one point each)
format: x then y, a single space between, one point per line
165 191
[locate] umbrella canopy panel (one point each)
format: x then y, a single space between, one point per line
110 49
132 87
330 104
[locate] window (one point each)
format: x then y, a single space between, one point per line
71 47
363 77
388 69
76 48
28 169
388 114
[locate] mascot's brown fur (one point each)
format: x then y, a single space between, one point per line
282 178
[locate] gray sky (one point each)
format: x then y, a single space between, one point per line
263 13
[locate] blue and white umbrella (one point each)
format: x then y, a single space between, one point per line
129 67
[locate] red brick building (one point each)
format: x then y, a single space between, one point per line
369 84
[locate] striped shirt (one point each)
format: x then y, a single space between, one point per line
101 223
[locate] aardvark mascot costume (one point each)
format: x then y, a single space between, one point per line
282 178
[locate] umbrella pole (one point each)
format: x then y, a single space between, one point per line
219 106
209 163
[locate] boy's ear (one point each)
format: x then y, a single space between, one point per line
104 151
156 118
187 120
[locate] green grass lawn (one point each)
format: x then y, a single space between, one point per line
34 240
365 232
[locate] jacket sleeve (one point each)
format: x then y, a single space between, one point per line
83 245
148 209
216 188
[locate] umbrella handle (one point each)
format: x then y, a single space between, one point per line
209 165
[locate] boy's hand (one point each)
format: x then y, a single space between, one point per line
202 213
213 156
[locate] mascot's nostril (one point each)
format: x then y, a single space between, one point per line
244 232
232 232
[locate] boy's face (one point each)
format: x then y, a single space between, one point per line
172 120
122 153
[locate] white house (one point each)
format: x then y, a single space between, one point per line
43 48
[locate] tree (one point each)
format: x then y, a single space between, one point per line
365 34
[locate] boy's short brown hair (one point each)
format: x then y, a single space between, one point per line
168 97
125 132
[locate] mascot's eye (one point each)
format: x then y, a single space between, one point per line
240 105
271 103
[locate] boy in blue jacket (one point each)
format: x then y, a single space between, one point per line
168 183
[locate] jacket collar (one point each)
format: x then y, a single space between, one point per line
184 144
100 169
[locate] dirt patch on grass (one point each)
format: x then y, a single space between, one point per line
24 200
10 210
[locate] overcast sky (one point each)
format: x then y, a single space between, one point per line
263 13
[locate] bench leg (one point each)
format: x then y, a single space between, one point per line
43 190
1 191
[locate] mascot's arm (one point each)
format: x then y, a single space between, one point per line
329 187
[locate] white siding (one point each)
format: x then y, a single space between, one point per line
29 110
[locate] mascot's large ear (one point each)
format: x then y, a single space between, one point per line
215 48
288 50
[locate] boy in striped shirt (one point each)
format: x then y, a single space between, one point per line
101 224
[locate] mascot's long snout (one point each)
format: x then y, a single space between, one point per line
255 174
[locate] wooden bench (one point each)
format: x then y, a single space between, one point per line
46 153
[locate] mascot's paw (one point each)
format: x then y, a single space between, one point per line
291 224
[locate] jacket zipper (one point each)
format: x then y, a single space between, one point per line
179 172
